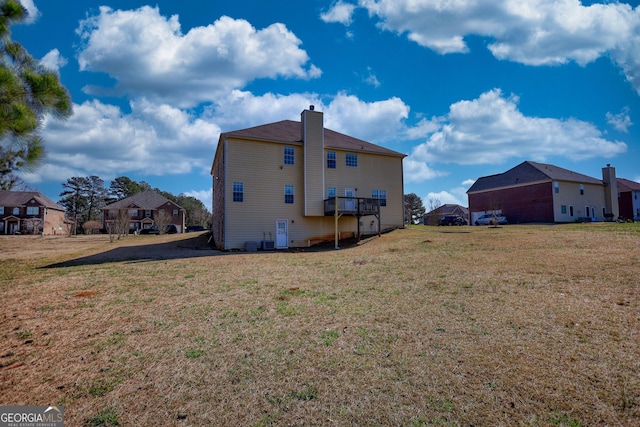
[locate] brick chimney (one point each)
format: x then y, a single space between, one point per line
610 191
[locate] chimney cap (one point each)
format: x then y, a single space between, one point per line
312 107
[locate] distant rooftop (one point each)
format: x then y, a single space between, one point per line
530 172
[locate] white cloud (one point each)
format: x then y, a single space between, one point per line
32 10
468 182
491 129
620 121
537 32
416 170
379 122
371 79
241 109
155 139
53 60
146 53
339 12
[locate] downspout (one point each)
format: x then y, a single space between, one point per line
224 194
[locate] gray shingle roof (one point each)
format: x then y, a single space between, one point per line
289 131
530 172
145 200
21 198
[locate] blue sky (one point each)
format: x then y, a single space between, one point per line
464 88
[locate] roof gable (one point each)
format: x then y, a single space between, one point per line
145 200
289 131
528 173
21 198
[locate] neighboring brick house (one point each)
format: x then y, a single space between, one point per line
538 192
145 210
629 199
30 212
278 183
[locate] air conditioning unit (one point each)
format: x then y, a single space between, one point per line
268 245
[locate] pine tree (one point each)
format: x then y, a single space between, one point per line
28 92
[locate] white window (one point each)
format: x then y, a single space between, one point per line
289 155
16 211
331 192
238 191
175 212
288 194
32 210
556 187
381 195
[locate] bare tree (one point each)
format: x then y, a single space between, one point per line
432 216
162 220
33 225
118 226
91 227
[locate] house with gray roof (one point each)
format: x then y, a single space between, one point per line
31 212
296 183
145 210
538 192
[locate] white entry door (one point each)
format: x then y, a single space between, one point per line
350 204
282 236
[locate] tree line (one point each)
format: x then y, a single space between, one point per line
84 198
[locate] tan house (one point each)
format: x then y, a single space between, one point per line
30 212
144 211
276 186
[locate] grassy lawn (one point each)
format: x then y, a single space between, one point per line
444 326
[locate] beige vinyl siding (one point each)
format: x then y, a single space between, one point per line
313 163
569 195
260 166
373 172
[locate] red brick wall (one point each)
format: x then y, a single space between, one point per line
625 204
532 203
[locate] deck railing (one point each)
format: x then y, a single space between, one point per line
357 206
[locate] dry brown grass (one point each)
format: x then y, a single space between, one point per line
517 325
